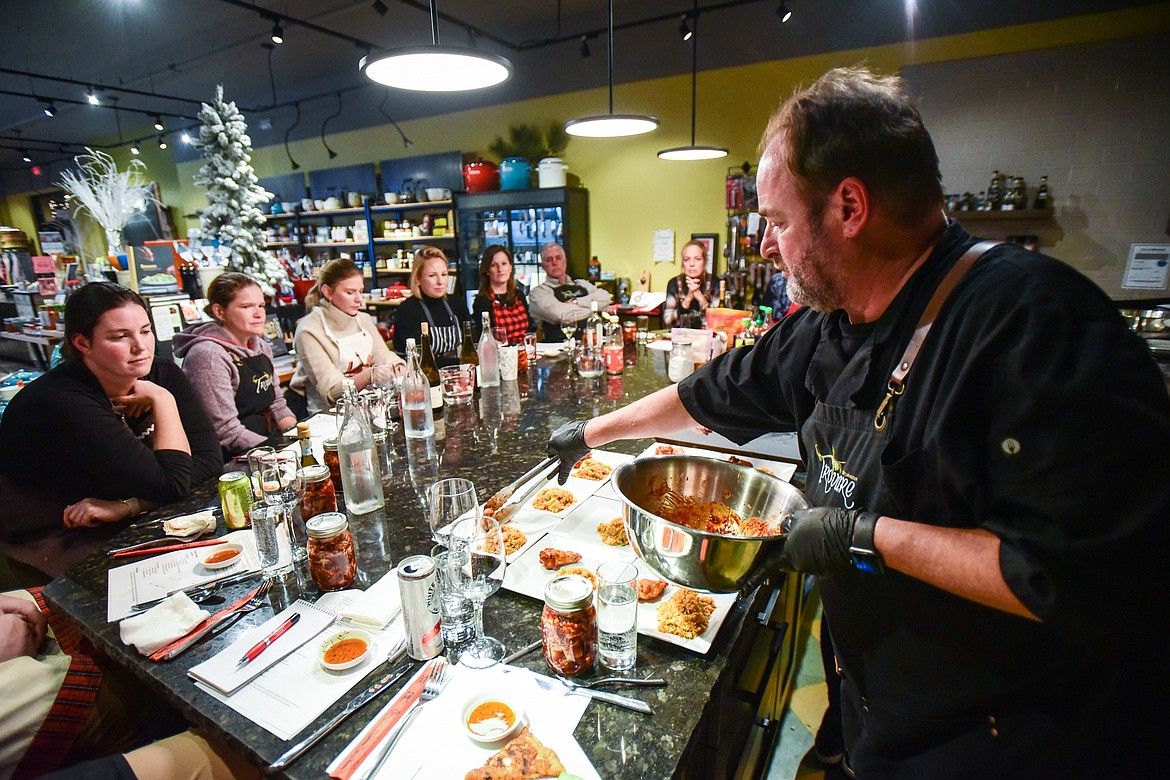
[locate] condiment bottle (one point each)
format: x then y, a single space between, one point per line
568 625
320 496
332 462
332 560
304 436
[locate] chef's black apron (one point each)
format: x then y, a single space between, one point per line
256 392
846 469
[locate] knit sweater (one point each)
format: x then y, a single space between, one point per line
206 352
318 375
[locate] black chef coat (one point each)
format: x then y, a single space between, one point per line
1028 414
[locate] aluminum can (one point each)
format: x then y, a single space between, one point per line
419 585
235 498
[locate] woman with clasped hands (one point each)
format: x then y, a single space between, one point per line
108 433
336 340
690 293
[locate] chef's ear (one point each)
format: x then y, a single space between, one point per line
851 203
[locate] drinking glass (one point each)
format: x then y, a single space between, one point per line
530 346
501 336
458 383
387 382
477 561
590 362
456 611
617 615
266 522
281 483
255 457
448 501
643 328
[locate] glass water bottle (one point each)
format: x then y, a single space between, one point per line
416 397
361 479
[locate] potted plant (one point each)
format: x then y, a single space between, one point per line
110 196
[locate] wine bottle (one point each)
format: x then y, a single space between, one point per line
361 479
467 353
306 441
416 397
430 369
489 356
1043 199
592 332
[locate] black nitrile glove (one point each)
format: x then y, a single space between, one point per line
567 444
819 539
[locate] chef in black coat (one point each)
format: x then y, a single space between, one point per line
976 421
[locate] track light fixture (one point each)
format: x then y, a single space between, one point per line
328 119
134 149
162 141
406 142
185 137
585 47
380 7
296 122
277 32
92 96
49 109
684 29
24 156
158 123
783 13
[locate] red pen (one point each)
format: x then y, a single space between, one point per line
267 641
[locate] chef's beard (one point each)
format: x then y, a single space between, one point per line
815 286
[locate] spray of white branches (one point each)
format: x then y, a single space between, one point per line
234 216
110 196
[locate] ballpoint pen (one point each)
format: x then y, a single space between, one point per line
267 641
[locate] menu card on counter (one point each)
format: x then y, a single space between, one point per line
223 672
155 577
267 701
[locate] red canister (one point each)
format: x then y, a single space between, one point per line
481 176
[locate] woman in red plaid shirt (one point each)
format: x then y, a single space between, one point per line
500 297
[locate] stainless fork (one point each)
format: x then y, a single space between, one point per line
432 689
252 604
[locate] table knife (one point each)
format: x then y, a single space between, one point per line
630 703
379 685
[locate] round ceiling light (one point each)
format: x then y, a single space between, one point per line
693 153
611 125
436 68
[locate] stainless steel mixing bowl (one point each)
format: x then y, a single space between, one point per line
700 560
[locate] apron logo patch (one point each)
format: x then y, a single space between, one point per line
833 478
263 382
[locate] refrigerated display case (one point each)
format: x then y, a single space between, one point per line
523 221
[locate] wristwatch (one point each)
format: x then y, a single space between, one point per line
863 552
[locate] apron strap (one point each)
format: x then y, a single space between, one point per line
897 384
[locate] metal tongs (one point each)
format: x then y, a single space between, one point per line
506 502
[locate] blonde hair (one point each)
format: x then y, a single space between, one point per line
421 256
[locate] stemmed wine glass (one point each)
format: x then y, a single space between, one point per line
448 501
387 383
476 563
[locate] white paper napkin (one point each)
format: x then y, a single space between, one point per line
377 605
189 525
162 624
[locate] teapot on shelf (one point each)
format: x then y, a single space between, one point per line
406 191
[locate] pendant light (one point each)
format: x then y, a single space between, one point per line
436 68
611 125
694 151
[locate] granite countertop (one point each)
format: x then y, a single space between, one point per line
492 440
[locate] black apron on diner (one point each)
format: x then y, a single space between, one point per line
256 392
447 339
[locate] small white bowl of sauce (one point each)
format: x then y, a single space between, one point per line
492 716
345 649
221 556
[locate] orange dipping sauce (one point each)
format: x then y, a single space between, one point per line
491 717
345 651
221 556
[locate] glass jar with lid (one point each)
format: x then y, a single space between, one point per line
332 559
680 363
568 625
319 496
333 462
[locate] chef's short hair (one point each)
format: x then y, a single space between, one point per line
855 122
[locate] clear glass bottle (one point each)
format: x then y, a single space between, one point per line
614 351
416 397
489 356
680 363
593 331
361 480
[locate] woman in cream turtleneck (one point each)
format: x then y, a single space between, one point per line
336 340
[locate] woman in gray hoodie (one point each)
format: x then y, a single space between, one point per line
230 366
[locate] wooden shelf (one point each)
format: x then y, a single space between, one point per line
412 239
995 216
354 210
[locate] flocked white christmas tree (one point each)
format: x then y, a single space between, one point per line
234 216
